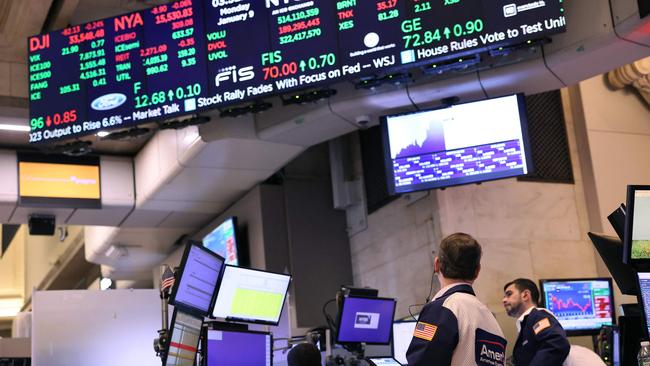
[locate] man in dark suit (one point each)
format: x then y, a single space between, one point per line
541 340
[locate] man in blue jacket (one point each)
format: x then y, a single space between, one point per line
455 328
541 340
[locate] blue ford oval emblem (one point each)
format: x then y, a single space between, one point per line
108 101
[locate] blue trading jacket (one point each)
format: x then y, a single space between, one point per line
541 341
456 329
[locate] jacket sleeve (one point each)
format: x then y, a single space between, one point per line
553 344
440 348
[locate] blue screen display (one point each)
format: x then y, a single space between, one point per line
462 144
238 348
222 241
366 320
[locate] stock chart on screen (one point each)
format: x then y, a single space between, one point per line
579 304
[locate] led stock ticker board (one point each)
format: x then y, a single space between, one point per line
193 55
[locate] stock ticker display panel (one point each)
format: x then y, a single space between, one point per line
192 55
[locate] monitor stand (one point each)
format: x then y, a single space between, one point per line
631 333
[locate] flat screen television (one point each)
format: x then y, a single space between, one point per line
59 181
367 320
582 306
223 241
611 251
637 227
402 336
644 299
238 348
197 279
251 295
464 143
185 332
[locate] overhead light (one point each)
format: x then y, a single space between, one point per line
17 128
103 133
10 306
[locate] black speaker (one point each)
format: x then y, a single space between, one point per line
41 225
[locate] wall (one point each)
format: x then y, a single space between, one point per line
613 126
527 229
616 125
43 253
12 267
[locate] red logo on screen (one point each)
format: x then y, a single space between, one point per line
39 43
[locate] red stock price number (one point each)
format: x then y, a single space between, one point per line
56 119
275 71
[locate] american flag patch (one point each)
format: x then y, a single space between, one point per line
541 325
425 331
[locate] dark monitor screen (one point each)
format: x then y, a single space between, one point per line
644 297
368 320
187 56
637 227
251 295
465 143
611 251
196 285
185 332
222 240
402 336
239 348
582 306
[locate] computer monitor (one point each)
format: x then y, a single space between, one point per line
185 332
238 347
55 181
402 336
383 361
367 320
223 240
582 306
611 251
251 295
460 144
644 298
197 278
637 227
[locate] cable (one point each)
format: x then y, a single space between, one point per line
426 300
328 318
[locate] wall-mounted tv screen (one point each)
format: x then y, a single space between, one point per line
238 347
223 240
251 295
464 143
185 332
582 306
637 227
59 181
196 280
367 320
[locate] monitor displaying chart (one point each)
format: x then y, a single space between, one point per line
582 306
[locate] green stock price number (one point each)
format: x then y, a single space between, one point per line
160 97
318 62
415 37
